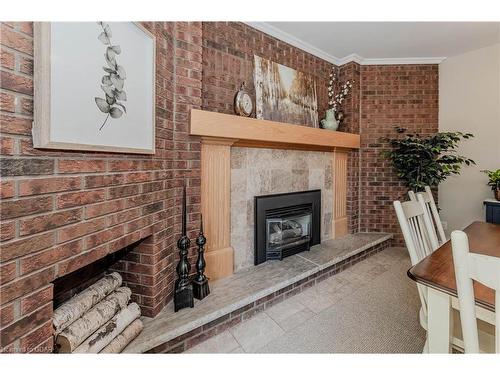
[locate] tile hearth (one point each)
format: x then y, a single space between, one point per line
350 312
246 289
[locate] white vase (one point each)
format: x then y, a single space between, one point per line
330 122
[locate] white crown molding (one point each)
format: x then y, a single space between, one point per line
402 61
290 39
353 57
296 42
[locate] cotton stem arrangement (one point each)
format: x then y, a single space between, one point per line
337 92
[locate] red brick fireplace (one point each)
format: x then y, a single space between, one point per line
62 211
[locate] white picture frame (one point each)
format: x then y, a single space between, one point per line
69 87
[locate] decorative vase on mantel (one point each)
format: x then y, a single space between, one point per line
330 121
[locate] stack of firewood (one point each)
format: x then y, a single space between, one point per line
97 320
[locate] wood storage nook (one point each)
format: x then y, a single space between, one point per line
104 335
98 318
70 311
72 336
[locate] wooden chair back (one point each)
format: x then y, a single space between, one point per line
483 269
432 210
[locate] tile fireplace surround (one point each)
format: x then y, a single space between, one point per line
266 171
263 167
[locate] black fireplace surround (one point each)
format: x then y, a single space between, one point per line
286 224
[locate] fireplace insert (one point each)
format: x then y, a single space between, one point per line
286 224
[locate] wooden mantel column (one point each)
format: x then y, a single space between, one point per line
216 205
339 193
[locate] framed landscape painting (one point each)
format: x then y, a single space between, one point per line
94 87
284 94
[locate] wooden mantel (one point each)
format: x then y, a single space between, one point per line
218 133
250 132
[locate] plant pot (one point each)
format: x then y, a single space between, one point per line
497 194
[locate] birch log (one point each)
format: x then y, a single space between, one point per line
92 320
73 309
123 339
104 335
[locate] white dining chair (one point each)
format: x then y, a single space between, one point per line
432 210
418 232
420 240
412 195
481 268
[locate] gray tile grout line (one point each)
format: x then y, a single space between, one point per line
305 308
231 332
233 351
262 312
270 317
309 260
280 327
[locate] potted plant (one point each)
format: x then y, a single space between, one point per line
426 161
494 181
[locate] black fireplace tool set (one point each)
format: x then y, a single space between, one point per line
186 288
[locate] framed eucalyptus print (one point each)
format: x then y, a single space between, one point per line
94 87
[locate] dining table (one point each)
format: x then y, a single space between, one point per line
436 272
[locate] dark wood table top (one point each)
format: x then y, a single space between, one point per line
437 271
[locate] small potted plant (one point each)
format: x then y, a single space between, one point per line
494 181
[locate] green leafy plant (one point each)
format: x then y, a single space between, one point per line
421 161
494 179
113 81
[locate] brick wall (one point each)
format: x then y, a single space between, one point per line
391 95
228 50
63 210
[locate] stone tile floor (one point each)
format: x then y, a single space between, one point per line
371 307
249 285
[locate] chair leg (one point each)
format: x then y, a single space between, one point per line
425 350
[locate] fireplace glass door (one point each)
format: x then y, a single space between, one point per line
288 234
286 224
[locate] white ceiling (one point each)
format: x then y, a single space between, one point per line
384 42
